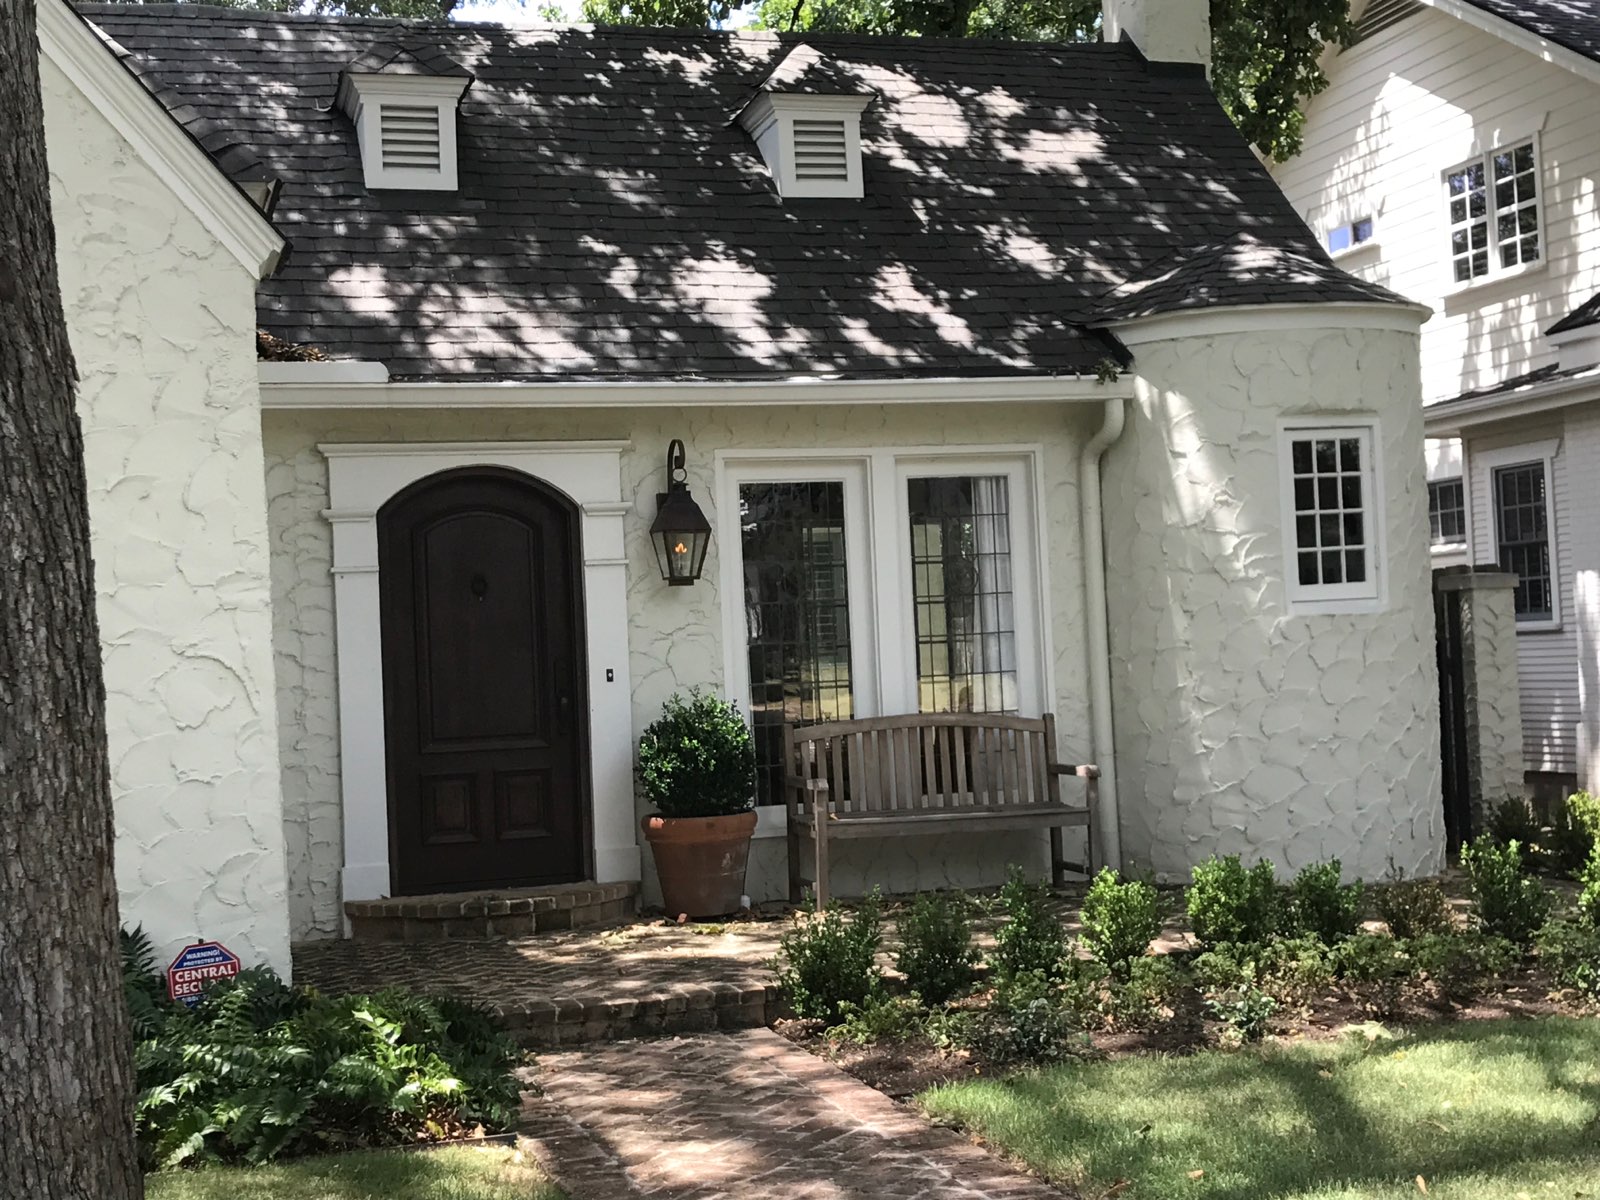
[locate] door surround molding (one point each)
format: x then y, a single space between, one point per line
362 477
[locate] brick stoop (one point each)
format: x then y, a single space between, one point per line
680 1009
504 913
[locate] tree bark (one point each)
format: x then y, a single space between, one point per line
66 1078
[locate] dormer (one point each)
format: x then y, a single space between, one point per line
806 121
403 101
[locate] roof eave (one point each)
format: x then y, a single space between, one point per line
1524 39
1452 417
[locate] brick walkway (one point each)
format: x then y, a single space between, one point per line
743 1116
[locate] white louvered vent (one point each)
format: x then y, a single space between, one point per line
410 134
1382 14
819 150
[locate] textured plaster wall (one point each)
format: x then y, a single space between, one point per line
1242 729
675 638
162 321
1491 695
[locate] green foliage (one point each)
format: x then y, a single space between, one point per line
1027 1020
1266 59
1227 903
936 953
1321 907
1513 821
1244 1011
1030 939
1589 895
1414 908
142 983
698 759
1120 920
1460 964
1571 950
1510 904
259 1070
1292 968
1141 998
880 1017
1370 958
829 960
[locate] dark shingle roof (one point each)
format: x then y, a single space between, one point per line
1587 313
418 59
612 222
1574 24
1520 383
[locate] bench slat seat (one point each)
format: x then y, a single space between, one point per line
928 774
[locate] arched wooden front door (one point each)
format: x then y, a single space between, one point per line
483 683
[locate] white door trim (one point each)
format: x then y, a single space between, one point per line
362 477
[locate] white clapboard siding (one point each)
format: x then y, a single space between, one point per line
1403 107
1547 660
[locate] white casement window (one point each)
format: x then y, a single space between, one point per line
1333 517
890 582
1493 213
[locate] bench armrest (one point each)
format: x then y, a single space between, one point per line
1085 771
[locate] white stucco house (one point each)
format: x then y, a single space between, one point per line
1008 379
1453 159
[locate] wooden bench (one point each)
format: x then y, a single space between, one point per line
927 774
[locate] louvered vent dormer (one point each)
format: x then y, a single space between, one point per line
403 101
806 121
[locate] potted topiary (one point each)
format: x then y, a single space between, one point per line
697 765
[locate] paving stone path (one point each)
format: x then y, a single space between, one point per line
743 1116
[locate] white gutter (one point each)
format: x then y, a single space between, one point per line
1094 586
1450 418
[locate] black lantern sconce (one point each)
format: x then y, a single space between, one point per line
680 533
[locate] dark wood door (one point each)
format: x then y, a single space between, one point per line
483 684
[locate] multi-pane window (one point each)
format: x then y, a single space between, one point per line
1330 505
1350 235
962 597
1494 212
1522 536
1447 512
797 614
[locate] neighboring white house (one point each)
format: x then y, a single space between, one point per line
1007 377
1455 158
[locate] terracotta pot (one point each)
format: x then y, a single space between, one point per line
701 861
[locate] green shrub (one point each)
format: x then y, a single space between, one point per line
259 1070
936 953
1461 964
1510 904
1321 907
1027 1020
1415 908
1227 903
1226 965
1369 958
1513 821
828 960
1030 938
1583 810
1589 895
1140 999
1571 950
142 984
1292 968
880 1017
697 759
1244 1011
1120 920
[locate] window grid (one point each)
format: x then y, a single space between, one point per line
1494 212
1523 537
1330 508
962 600
797 615
1447 512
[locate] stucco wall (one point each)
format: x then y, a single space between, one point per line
675 634
1241 729
162 320
1490 694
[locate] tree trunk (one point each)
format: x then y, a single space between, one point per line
66 1086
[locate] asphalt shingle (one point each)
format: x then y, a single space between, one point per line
613 221
1574 24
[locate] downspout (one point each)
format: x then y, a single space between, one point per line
1094 582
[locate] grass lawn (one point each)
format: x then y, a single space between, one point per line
1489 1110
459 1173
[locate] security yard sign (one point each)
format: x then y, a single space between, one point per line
199 965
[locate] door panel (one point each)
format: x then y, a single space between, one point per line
482 684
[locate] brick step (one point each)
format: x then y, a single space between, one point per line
498 913
682 1008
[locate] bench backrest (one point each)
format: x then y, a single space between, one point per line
925 762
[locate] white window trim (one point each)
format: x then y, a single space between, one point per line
1497 273
770 120
1446 549
1373 596
877 522
1526 455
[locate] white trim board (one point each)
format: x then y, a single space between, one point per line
1516 35
69 42
669 393
1543 453
362 476
1453 416
1256 318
